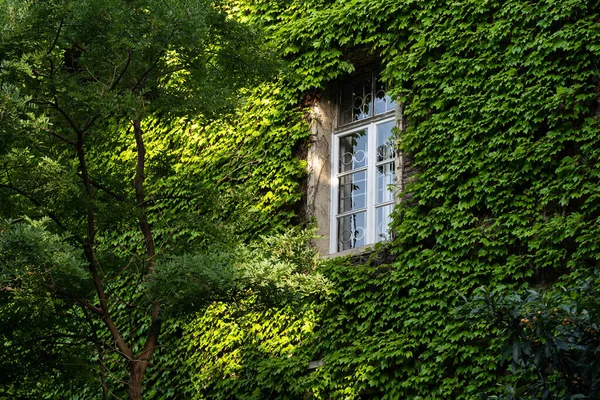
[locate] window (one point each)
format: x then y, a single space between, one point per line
362 165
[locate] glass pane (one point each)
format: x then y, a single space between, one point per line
353 151
385 182
383 222
357 99
352 231
385 141
353 192
383 102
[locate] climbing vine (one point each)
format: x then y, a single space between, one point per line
502 103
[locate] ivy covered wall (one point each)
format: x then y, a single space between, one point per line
502 103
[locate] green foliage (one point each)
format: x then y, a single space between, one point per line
35 261
272 282
244 164
553 339
38 347
237 351
366 333
273 270
73 76
501 99
270 277
281 267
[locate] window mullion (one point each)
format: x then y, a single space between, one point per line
371 183
373 91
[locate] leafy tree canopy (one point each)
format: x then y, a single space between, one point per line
87 90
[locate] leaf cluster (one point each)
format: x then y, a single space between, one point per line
552 338
273 270
42 335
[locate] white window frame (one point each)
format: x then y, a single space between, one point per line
370 125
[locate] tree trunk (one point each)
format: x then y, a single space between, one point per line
136 375
137 367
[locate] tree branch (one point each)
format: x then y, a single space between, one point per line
65 115
59 136
171 197
82 302
88 248
141 364
100 186
56 37
138 184
99 349
145 74
115 83
88 123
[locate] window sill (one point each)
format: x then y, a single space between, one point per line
351 252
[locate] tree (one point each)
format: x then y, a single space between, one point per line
83 85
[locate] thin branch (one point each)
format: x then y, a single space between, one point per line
82 302
129 52
7 175
223 179
87 305
100 186
88 123
100 351
141 363
65 115
56 37
88 248
138 184
51 75
152 338
76 45
59 136
154 199
60 335
90 73
145 74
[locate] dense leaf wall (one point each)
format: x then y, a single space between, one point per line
239 173
502 102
